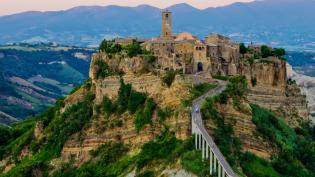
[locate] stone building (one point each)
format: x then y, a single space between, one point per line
216 54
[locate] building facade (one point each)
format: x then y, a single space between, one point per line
215 54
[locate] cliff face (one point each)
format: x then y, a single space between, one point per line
119 62
269 89
243 128
104 129
266 80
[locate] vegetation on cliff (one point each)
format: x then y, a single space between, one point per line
196 91
58 127
131 50
250 53
138 104
296 155
169 77
295 147
112 159
103 70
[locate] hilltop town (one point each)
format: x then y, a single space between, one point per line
135 116
217 56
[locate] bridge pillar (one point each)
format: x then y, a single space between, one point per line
203 148
215 164
207 151
219 170
196 140
211 162
200 140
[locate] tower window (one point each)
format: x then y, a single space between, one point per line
166 15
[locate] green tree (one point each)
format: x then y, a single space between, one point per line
110 47
123 96
136 100
243 48
265 51
279 52
133 49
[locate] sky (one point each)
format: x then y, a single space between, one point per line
15 6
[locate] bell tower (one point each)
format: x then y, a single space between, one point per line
166 24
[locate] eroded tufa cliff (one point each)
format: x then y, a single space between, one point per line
104 129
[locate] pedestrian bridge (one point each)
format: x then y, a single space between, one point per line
204 142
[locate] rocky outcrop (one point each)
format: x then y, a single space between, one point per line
290 103
267 80
243 128
120 63
104 129
270 72
268 88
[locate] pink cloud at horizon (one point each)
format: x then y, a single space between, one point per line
15 6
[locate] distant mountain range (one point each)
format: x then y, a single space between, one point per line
286 23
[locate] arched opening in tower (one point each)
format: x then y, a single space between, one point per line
199 67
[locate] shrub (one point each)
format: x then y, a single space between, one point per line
273 128
237 86
136 100
243 48
164 113
108 106
192 161
169 78
254 166
279 52
265 51
133 49
220 77
103 69
150 58
5 135
144 116
109 47
123 96
201 89
163 147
